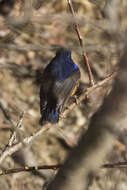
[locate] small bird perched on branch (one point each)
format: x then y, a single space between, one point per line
59 81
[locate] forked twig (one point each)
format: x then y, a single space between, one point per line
91 78
10 150
14 134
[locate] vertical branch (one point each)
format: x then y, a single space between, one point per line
91 78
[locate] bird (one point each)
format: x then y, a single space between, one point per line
59 81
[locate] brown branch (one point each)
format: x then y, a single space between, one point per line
15 134
29 168
53 167
10 150
115 165
91 78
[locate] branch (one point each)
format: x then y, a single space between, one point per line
10 150
91 78
115 165
31 168
15 133
86 93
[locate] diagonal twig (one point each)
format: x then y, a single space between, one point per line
91 78
14 134
87 92
10 150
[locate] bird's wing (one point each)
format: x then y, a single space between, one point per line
55 93
45 92
63 90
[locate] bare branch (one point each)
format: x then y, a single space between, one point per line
10 150
115 165
91 78
14 134
28 169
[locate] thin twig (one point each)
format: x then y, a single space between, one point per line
10 150
91 78
54 167
29 168
14 134
115 165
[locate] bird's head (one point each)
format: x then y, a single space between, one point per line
65 53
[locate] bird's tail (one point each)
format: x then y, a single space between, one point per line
49 115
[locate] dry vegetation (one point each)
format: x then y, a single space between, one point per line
30 33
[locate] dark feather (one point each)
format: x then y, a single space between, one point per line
59 79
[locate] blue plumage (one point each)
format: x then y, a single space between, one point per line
62 65
50 115
58 81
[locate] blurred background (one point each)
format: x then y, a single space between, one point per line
30 33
